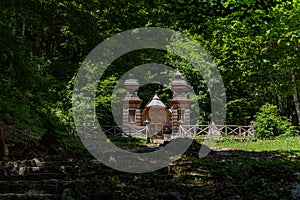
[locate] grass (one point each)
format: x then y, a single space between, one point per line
284 144
122 142
127 142
281 145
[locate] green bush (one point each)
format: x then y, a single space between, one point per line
268 123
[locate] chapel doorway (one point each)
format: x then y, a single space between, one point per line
158 117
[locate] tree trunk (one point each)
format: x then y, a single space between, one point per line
23 28
296 99
2 145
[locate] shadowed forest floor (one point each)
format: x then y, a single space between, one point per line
226 173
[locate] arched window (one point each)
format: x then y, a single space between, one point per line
132 116
180 115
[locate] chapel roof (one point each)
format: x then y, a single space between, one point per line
155 101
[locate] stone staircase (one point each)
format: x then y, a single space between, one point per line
47 178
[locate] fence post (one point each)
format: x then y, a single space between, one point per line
180 131
252 127
129 129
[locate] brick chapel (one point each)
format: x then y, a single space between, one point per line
159 118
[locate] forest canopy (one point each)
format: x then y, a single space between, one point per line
43 43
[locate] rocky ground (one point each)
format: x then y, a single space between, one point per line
54 171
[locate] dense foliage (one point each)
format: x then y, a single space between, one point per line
269 124
43 43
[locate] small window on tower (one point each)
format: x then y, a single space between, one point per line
131 117
180 114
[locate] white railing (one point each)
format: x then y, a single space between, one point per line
130 130
136 131
184 130
224 130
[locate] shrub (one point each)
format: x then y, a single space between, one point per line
268 123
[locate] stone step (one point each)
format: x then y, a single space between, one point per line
50 185
64 159
58 163
52 172
24 188
56 169
36 176
44 179
27 196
